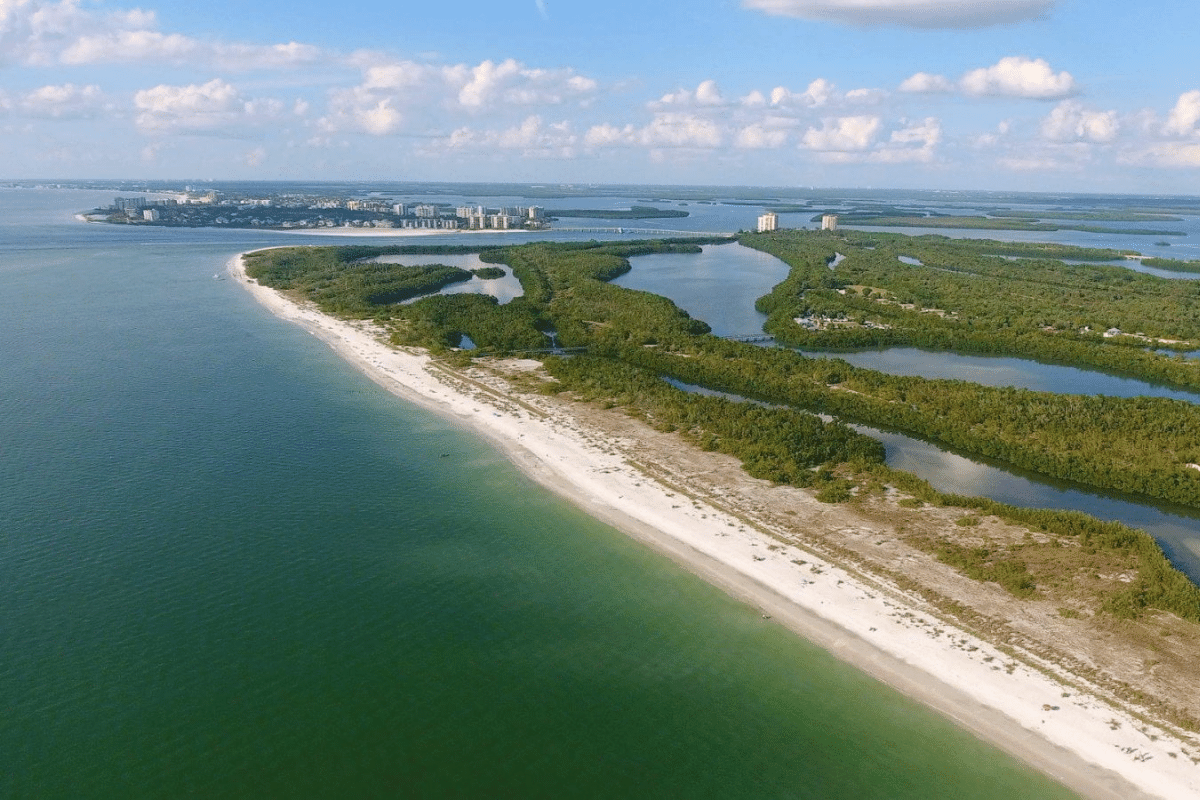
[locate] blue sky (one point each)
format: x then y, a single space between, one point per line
1041 95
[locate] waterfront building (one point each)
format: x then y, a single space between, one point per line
829 222
768 222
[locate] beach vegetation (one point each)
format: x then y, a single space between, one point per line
339 283
988 564
781 445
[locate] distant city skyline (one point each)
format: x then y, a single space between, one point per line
1033 95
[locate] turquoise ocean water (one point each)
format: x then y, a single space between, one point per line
231 566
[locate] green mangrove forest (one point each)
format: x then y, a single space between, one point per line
981 296
844 288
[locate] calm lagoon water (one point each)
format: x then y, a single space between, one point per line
720 288
718 285
503 289
232 566
1002 371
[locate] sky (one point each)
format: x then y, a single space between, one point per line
1035 95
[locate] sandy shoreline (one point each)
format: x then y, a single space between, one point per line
1048 718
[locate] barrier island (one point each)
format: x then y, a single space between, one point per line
1068 640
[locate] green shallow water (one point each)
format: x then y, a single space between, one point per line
231 566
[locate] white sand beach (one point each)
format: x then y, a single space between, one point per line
656 488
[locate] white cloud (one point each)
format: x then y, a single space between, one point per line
393 93
607 135
1184 116
854 140
993 138
38 32
380 119
818 93
760 137
362 110
63 101
1014 76
1018 76
755 99
272 56
842 134
681 130
131 45
1161 144
487 79
214 107
913 143
512 83
1070 121
1168 155
865 97
910 13
707 94
667 129
531 136
925 83
926 133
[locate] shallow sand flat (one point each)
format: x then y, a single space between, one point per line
1019 704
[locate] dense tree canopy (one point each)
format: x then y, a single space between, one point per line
980 296
973 295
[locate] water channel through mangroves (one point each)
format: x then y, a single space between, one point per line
720 288
504 289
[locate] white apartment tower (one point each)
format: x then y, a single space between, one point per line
829 222
768 222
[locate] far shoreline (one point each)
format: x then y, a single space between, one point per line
842 617
341 231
